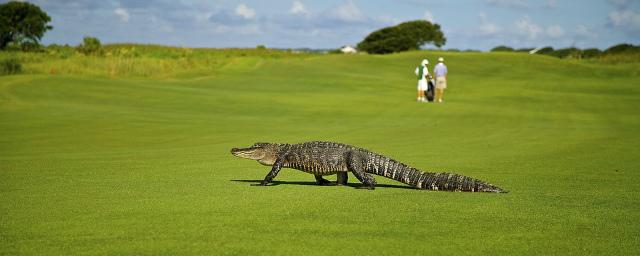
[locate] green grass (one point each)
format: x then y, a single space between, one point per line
141 61
128 165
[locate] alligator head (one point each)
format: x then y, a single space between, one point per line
264 153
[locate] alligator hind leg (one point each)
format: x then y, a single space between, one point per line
322 181
342 178
356 165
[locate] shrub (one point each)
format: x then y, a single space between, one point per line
261 47
502 48
61 51
546 50
10 66
621 53
591 53
567 53
28 46
90 46
622 48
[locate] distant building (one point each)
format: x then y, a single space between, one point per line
534 51
348 49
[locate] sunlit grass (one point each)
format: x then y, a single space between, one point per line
133 60
138 162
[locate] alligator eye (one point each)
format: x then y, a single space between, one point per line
258 145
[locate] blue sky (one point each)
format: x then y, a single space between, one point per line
467 24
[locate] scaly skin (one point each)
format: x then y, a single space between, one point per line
326 158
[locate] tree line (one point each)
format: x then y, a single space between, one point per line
573 52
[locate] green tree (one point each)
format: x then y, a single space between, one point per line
90 46
405 36
22 23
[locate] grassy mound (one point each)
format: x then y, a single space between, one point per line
92 163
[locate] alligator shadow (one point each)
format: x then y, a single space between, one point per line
313 183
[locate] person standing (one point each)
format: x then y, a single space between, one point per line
422 72
441 79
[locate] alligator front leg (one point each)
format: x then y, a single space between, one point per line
342 178
273 173
356 165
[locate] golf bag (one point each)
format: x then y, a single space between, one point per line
429 93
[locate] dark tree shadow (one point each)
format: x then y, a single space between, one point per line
313 183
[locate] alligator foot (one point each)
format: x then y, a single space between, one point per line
263 183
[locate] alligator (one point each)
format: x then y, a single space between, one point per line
322 158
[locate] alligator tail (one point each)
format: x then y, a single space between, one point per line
393 169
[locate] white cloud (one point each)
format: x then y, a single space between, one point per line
509 3
123 14
428 16
555 31
347 12
625 19
244 11
525 27
297 8
521 32
346 16
486 27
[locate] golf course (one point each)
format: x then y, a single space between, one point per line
131 155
